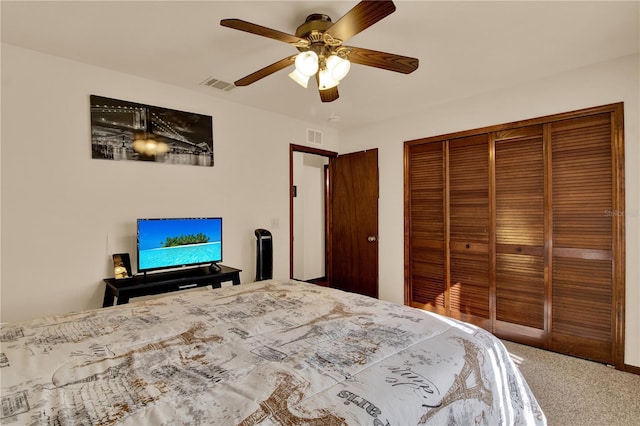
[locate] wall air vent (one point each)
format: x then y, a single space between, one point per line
314 136
218 84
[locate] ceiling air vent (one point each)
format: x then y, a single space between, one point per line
314 136
218 84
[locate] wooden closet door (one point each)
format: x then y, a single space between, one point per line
468 184
521 226
425 227
582 263
520 235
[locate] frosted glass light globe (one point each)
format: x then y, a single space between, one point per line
338 67
307 63
326 81
298 77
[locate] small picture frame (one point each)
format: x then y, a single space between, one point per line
122 266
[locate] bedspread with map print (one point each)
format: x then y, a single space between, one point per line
270 353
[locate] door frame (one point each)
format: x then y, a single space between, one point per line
324 153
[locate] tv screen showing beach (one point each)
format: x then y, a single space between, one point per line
167 243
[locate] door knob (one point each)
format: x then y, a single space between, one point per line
371 238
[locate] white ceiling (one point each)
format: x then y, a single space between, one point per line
464 48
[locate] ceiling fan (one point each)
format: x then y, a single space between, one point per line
322 52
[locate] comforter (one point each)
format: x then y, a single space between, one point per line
269 353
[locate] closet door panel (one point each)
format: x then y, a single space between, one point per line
519 178
428 277
469 189
520 296
582 318
426 228
468 183
519 230
582 183
582 297
469 287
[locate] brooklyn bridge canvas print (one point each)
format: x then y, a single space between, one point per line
122 130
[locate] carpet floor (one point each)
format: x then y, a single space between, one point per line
573 391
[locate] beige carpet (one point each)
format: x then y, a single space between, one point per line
573 391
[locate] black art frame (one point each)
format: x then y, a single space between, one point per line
122 130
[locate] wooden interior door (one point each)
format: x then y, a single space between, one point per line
583 321
425 228
520 291
353 194
469 273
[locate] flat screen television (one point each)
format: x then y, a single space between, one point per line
178 242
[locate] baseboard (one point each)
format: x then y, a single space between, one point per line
632 369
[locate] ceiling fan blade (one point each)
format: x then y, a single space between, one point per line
239 24
387 61
361 17
268 70
329 95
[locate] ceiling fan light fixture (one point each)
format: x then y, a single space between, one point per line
326 80
298 77
321 49
338 67
307 63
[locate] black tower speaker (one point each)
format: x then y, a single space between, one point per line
264 255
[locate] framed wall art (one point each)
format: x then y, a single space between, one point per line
123 130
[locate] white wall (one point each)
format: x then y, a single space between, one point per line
314 230
596 85
64 214
308 212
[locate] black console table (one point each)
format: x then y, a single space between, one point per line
165 282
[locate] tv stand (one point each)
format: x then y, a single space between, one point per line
165 282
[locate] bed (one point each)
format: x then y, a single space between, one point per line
270 353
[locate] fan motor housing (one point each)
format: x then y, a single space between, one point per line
314 26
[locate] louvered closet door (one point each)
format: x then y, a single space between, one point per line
468 166
520 234
426 228
582 309
519 228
